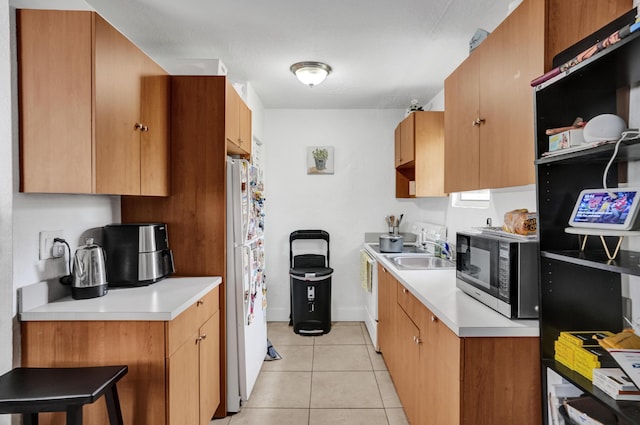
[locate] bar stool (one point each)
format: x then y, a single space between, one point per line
30 391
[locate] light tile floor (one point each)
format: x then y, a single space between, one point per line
336 378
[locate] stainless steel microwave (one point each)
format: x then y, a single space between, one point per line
501 272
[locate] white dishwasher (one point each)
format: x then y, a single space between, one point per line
369 275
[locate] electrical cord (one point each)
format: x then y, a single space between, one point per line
623 137
60 240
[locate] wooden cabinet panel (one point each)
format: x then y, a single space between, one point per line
94 144
210 369
506 103
419 153
588 16
154 143
140 345
246 137
441 372
405 148
183 372
237 123
462 138
387 306
488 98
117 110
509 393
55 98
405 377
429 153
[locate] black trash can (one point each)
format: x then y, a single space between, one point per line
310 286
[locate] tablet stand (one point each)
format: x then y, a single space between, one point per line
602 233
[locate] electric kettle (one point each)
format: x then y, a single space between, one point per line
89 276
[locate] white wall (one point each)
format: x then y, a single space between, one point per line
6 285
349 203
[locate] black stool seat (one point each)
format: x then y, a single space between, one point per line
32 390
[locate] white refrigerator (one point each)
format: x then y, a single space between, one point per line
245 286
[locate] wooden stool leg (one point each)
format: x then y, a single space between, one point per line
113 406
74 415
30 419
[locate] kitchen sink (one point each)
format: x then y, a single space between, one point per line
421 262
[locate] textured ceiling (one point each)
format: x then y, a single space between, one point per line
383 53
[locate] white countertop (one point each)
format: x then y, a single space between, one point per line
163 300
464 315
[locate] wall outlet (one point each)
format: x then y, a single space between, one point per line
46 243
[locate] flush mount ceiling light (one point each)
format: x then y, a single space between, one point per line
310 73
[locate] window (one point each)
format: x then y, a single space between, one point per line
471 199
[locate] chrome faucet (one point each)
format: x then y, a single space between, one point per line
444 247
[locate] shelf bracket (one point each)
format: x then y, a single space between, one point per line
604 244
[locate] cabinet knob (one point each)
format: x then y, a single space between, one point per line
199 302
404 290
478 121
434 319
201 337
417 340
141 127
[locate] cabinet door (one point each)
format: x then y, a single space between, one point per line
232 116
117 111
183 373
209 368
406 374
441 378
245 127
407 140
429 153
55 90
506 100
387 305
461 135
154 141
396 144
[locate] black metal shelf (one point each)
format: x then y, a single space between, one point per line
629 151
629 410
582 289
627 262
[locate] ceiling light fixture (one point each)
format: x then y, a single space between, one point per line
310 73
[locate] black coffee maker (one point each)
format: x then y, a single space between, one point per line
137 254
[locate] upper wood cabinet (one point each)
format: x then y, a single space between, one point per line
237 123
419 147
94 109
405 140
489 132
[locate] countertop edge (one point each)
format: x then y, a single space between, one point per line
107 309
497 326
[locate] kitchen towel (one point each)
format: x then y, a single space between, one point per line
365 278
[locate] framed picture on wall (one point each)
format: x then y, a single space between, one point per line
320 159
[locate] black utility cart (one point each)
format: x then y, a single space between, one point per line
310 284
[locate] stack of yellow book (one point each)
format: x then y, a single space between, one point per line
575 349
588 358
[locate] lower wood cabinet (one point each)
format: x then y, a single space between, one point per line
443 379
173 376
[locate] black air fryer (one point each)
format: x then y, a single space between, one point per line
137 254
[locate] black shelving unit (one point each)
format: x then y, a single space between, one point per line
581 290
